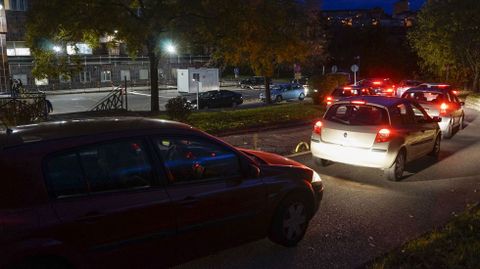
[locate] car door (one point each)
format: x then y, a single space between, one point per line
404 123
216 203
427 129
457 109
108 199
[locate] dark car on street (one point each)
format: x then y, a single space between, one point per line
381 86
347 91
253 82
215 99
137 193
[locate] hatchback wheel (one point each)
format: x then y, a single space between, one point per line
436 148
290 221
278 99
395 172
301 97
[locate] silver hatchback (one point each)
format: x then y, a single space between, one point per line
375 131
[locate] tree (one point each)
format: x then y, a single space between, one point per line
140 24
447 39
261 34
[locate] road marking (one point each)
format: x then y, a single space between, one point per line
146 94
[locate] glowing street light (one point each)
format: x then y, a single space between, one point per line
57 49
170 48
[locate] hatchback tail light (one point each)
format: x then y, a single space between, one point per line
443 109
329 100
317 128
383 135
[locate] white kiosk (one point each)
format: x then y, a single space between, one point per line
187 80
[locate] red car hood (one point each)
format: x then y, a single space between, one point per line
272 159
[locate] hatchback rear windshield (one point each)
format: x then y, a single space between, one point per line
426 96
353 114
344 93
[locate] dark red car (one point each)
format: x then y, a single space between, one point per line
141 193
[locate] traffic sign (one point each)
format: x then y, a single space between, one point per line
334 69
354 68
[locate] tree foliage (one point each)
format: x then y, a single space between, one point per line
261 34
140 24
447 39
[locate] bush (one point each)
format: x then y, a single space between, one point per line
178 109
324 85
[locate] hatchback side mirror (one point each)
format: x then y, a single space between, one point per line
436 119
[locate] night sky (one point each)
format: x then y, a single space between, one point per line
387 5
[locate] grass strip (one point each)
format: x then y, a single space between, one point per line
230 120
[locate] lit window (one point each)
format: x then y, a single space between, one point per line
85 77
106 75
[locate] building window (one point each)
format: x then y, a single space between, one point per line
143 74
18 5
79 48
17 48
41 82
106 75
125 74
85 77
22 78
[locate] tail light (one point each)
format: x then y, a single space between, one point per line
329 100
455 92
356 102
443 109
317 128
383 135
347 88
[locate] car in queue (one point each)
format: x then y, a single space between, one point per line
347 91
216 99
381 86
405 85
95 193
252 82
286 91
375 131
440 101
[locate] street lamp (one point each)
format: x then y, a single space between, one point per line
57 49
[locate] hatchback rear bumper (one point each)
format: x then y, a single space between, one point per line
367 157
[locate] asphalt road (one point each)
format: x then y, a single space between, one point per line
138 100
363 215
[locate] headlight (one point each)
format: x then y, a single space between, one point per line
316 177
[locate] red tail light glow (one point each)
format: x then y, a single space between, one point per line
455 92
383 135
317 128
377 83
359 102
329 100
443 109
347 88
443 85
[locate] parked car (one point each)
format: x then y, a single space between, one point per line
253 82
221 98
347 91
381 86
405 85
288 91
304 82
375 131
441 102
136 193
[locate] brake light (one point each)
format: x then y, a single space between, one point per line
358 102
317 128
443 109
442 85
329 100
383 135
455 92
377 83
390 90
347 88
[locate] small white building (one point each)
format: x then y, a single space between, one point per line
208 77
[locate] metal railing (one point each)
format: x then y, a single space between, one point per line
115 100
27 108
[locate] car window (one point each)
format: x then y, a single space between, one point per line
191 159
116 166
65 176
426 96
399 115
420 115
353 114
